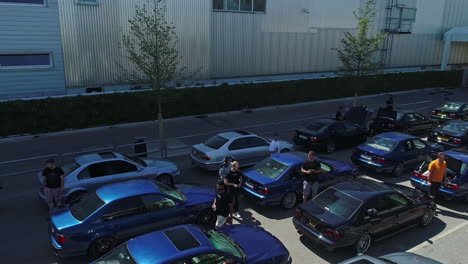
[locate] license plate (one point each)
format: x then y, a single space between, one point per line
312 224
442 115
248 184
442 139
367 157
302 136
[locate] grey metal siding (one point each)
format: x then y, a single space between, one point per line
26 29
91 35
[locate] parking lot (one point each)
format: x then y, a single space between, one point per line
24 218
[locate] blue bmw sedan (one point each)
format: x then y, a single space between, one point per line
392 152
114 213
188 244
277 180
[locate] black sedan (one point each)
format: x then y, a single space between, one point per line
355 214
329 134
407 122
453 134
450 111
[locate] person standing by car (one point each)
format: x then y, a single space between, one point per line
339 116
437 174
225 168
275 145
234 182
222 204
311 170
52 182
389 103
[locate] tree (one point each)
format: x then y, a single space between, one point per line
357 52
151 46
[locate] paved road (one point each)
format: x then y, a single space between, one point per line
24 218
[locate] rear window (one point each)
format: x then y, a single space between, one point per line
455 127
451 107
271 168
85 206
182 239
381 143
319 127
215 142
337 202
119 255
69 167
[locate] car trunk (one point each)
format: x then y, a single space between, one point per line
453 171
254 185
201 152
359 115
385 119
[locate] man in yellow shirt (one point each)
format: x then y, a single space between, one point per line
437 174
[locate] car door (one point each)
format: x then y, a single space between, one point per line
94 174
355 135
294 179
339 134
240 150
410 122
327 178
259 147
162 211
421 148
123 170
406 153
405 212
424 123
384 221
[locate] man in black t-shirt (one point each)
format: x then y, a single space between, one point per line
222 204
52 182
311 170
339 116
233 182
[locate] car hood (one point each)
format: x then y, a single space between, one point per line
197 194
326 218
62 218
258 244
439 131
159 163
340 166
359 115
408 258
257 176
366 148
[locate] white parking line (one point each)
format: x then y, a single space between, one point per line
439 236
420 102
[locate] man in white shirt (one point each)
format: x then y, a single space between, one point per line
275 145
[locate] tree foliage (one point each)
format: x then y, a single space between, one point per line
358 51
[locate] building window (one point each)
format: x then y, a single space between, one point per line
88 2
29 2
26 61
407 19
257 6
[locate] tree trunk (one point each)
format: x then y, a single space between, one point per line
162 135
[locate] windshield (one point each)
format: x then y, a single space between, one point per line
451 107
215 142
171 191
136 160
381 143
337 202
223 243
271 168
455 127
85 206
319 127
70 167
119 255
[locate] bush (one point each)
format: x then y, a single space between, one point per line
57 114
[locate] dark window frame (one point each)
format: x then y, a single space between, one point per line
252 10
238 139
250 139
28 67
19 2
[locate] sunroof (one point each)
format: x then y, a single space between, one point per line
182 239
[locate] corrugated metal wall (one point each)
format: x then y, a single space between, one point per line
28 29
91 34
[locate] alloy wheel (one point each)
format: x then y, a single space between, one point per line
363 243
398 170
427 217
289 200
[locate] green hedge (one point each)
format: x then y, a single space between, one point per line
57 114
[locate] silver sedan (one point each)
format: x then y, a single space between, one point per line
247 148
92 170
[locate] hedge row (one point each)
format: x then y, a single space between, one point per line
57 114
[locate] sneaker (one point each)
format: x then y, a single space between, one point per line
237 215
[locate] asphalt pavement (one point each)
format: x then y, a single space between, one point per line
24 218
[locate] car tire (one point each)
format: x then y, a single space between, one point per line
289 200
165 178
427 217
363 243
398 170
285 150
101 246
207 218
330 146
75 196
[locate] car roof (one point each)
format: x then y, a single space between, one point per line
119 190
93 157
460 154
290 158
363 189
396 136
156 247
234 134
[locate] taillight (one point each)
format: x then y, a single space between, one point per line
333 233
314 139
379 159
452 186
61 238
457 141
263 190
298 213
206 158
420 176
391 126
433 112
453 115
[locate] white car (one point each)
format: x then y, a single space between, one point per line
395 258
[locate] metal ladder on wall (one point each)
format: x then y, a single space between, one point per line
392 23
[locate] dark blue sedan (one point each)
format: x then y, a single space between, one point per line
392 152
114 213
188 244
277 180
456 187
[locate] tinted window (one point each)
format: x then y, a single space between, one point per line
25 60
215 142
465 108
325 167
410 118
419 144
69 167
120 166
257 142
419 116
455 127
271 168
125 207
241 143
119 255
319 127
223 243
388 203
156 202
381 143
337 202
406 146
209 259
182 239
85 206
171 191
94 171
451 107
136 160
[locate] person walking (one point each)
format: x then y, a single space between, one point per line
275 145
389 103
52 182
225 168
437 174
222 204
234 182
339 116
311 170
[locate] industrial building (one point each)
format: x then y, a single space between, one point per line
220 38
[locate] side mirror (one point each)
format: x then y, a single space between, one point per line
371 212
140 169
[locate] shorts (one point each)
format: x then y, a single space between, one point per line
310 188
221 220
53 195
434 188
